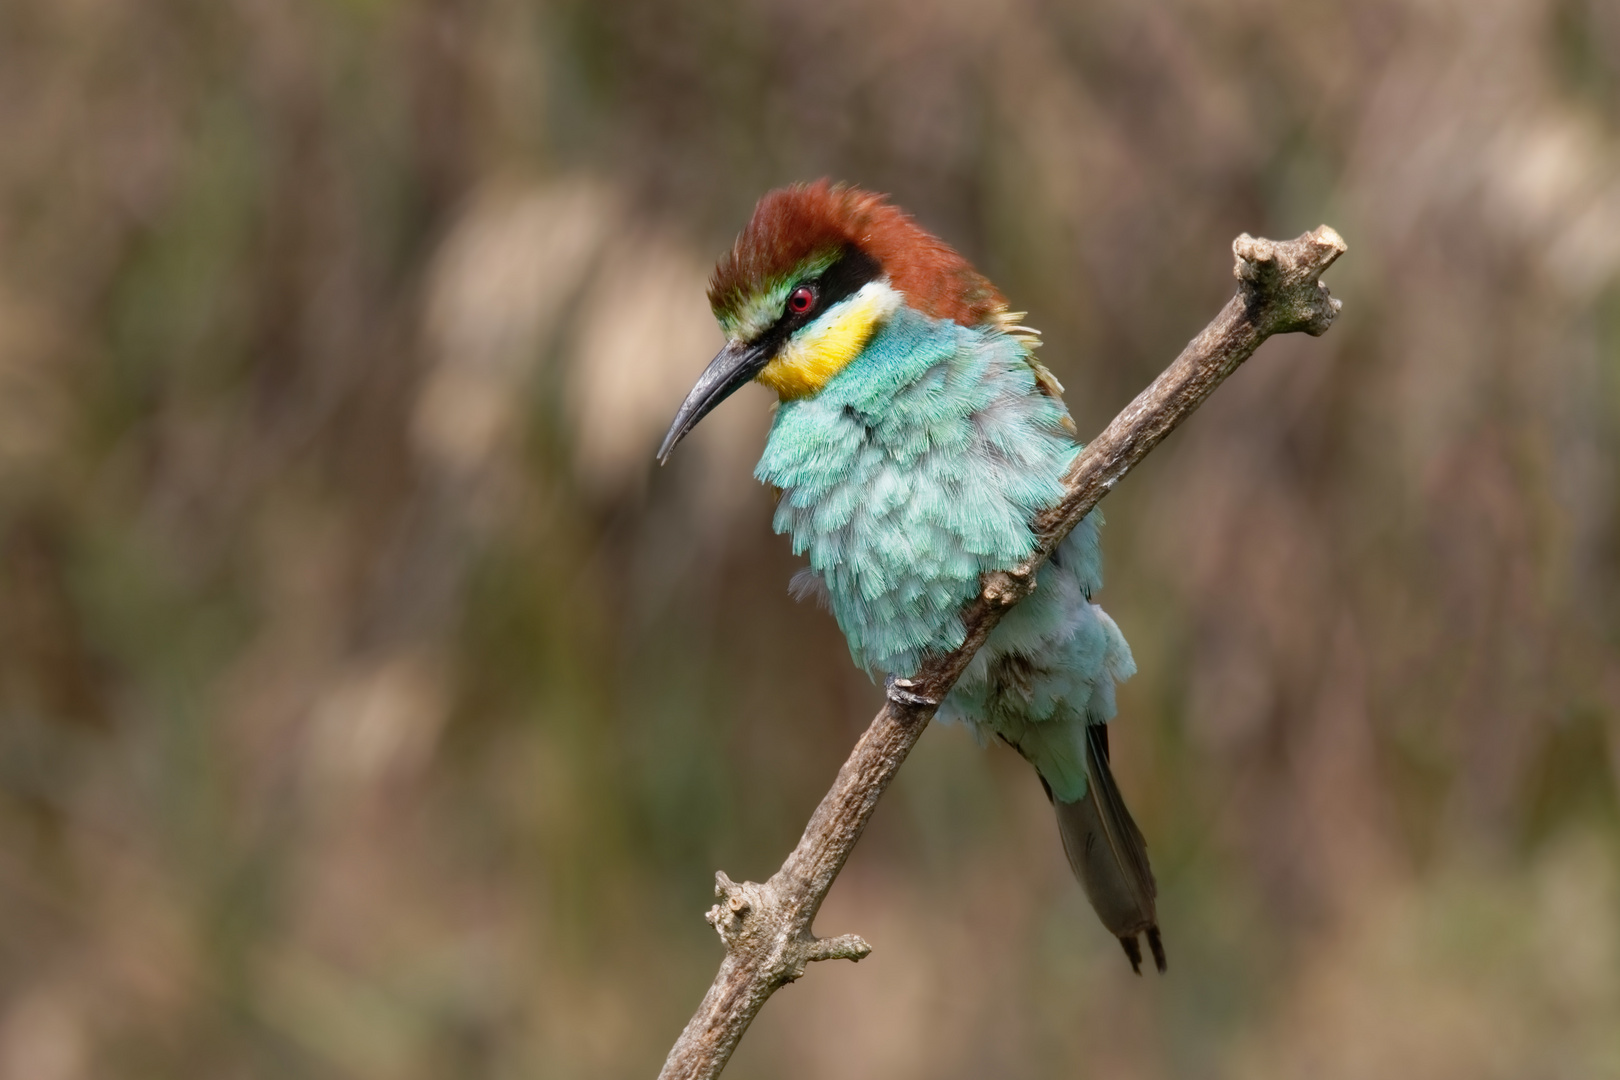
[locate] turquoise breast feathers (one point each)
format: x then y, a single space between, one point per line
918 468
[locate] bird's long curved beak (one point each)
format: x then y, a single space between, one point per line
737 363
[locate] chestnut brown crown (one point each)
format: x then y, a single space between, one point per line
805 225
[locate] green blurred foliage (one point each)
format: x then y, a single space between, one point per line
371 706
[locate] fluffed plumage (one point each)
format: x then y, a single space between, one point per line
916 439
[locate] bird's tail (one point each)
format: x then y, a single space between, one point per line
1109 856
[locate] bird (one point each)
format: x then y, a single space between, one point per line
915 438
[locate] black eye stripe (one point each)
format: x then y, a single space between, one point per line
842 279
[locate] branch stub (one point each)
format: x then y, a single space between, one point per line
1280 280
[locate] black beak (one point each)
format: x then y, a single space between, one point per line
736 364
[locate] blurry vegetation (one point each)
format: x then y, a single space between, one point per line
370 706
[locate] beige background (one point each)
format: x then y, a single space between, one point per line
370 706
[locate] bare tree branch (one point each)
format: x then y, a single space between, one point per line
766 928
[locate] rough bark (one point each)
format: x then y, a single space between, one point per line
766 927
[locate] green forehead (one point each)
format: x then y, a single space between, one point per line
745 314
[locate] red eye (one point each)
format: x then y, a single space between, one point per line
802 300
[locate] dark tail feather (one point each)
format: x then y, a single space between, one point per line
1109 856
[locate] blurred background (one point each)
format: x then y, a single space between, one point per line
371 706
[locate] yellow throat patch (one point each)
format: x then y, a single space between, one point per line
826 347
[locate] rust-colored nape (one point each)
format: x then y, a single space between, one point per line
793 225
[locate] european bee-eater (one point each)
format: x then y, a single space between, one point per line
916 438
